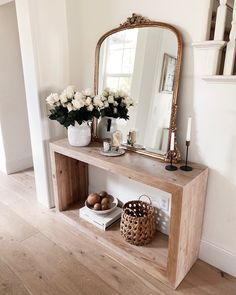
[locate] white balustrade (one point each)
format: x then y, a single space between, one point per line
208 53
231 47
221 16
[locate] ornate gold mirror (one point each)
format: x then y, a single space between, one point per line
143 58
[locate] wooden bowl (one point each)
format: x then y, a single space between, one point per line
114 203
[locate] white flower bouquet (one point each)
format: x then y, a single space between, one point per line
72 106
113 103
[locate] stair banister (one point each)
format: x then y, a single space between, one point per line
221 16
231 47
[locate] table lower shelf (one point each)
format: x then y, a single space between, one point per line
151 258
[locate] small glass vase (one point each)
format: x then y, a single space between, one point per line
106 126
79 135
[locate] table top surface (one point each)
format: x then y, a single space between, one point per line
138 167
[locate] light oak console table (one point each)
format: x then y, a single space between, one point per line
167 258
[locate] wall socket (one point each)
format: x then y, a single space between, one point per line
163 205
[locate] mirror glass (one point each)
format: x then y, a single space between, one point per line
142 62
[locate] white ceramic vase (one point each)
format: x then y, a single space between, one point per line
79 135
106 126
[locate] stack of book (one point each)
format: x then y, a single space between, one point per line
101 221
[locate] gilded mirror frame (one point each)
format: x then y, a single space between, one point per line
138 21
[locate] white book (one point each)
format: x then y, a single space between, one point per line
101 221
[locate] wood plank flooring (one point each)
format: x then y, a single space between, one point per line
42 254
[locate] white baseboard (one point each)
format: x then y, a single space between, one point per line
3 166
218 257
19 165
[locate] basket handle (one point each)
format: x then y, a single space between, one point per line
150 201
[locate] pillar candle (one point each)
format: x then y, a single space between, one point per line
172 141
188 135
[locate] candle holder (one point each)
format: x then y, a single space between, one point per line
171 167
186 167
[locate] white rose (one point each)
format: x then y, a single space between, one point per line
78 104
58 104
90 108
128 101
63 97
50 100
78 95
69 107
88 101
103 98
97 100
100 104
115 103
87 92
70 90
110 99
117 94
105 93
55 97
106 104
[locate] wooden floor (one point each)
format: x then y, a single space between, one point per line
41 254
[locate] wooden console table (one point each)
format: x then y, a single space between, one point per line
167 258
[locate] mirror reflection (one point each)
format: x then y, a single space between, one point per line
142 62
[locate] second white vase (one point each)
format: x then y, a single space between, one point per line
106 126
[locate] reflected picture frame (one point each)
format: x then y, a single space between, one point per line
168 73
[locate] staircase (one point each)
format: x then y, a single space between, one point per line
218 51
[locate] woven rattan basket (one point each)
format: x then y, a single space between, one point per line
138 222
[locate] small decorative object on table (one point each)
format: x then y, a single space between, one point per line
131 138
107 145
171 167
111 148
112 104
138 222
117 139
74 110
186 167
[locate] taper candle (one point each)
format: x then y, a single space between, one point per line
172 141
188 135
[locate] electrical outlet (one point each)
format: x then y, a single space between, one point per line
165 204
163 221
162 203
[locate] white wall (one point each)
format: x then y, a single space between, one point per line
44 47
212 108
15 138
3 167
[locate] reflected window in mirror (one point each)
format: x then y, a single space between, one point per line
117 60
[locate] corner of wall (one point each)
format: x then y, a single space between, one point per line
19 164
